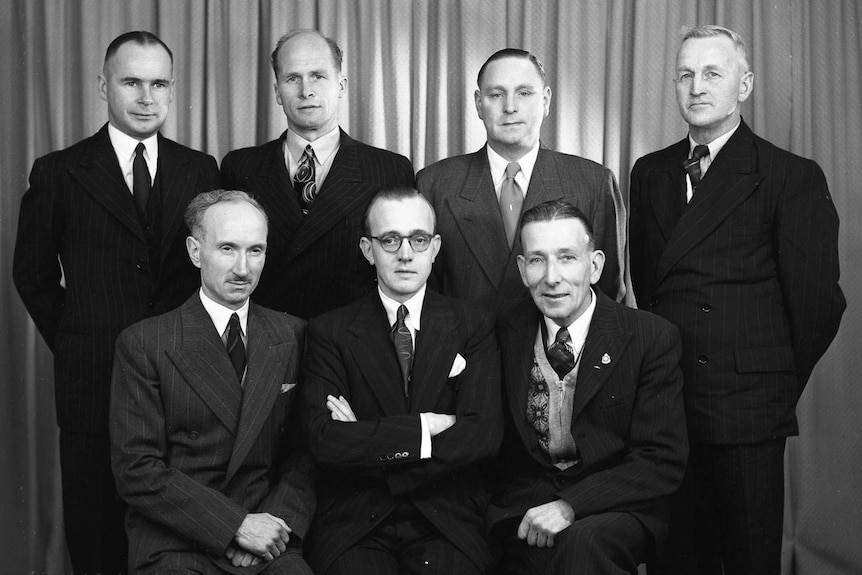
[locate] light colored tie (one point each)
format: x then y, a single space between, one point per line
511 200
303 181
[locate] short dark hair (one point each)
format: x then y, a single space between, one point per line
511 53
337 53
558 210
194 214
141 37
396 193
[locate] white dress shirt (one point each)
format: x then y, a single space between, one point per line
715 147
124 147
220 316
498 169
325 148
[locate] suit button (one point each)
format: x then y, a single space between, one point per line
194 435
706 308
405 454
372 517
702 359
653 302
140 265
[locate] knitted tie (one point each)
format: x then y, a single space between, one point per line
235 347
303 180
692 165
141 181
403 347
560 355
511 199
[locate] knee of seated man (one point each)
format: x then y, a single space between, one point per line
617 535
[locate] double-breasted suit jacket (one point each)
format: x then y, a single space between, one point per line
313 263
369 466
628 421
80 210
475 262
193 451
748 271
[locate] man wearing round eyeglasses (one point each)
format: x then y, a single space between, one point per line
403 406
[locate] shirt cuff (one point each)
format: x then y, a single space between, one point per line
425 447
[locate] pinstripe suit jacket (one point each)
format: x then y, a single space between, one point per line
78 208
312 262
475 262
192 452
370 465
628 421
748 271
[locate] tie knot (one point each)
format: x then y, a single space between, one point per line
139 149
233 323
402 313
699 152
512 169
563 336
309 152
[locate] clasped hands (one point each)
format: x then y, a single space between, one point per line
260 537
340 410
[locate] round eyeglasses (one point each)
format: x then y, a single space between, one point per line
391 243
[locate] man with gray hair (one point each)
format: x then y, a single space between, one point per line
315 181
203 424
735 241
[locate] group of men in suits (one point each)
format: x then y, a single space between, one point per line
404 401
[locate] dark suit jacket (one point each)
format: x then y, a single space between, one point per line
628 421
313 262
475 262
748 271
369 466
79 208
192 452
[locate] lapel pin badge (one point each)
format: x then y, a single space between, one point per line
606 359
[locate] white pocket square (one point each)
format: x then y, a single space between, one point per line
458 365
285 387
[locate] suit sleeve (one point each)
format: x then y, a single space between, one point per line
609 223
425 185
138 452
654 464
36 268
806 237
636 238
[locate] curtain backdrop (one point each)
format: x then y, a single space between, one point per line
412 67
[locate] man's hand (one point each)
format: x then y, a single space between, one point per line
339 409
240 558
263 535
541 523
438 422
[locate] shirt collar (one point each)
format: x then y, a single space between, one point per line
578 328
220 314
714 146
124 145
498 164
324 146
414 307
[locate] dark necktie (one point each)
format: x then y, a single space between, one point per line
141 181
511 199
692 165
303 180
560 355
403 347
235 347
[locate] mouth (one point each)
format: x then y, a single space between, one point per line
555 296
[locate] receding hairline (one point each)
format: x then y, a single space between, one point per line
707 31
403 195
335 51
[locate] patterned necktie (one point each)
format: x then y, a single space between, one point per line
141 181
235 347
511 200
560 355
303 180
692 165
403 347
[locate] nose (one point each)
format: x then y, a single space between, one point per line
509 105
405 251
307 90
146 95
552 273
697 84
240 266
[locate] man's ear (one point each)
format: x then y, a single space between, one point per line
522 267
365 248
597 264
193 246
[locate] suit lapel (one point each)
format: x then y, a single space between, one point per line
373 351
477 214
344 189
517 342
727 183
435 352
175 183
267 356
100 176
669 180
272 187
606 341
202 360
